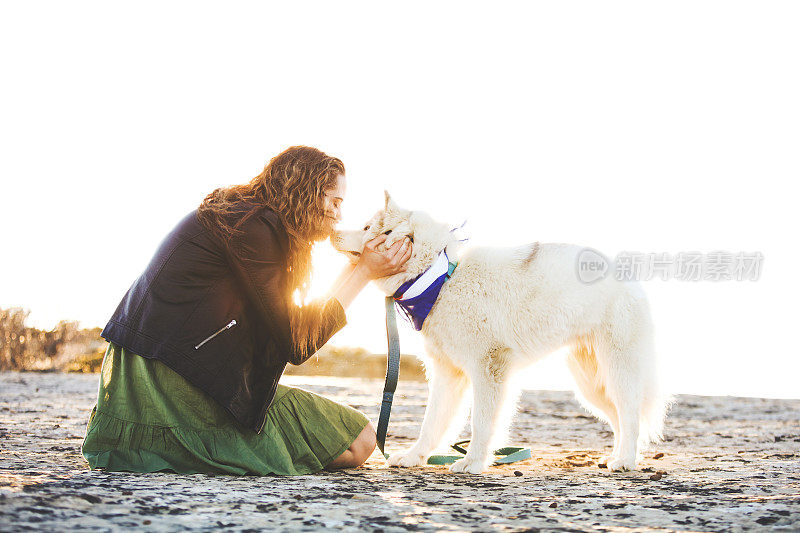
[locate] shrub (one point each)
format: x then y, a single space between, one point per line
27 348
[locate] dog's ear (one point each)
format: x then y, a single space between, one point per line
390 205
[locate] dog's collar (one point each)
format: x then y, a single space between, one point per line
417 296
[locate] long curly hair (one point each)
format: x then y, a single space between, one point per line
293 184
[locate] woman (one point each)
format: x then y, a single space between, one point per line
196 347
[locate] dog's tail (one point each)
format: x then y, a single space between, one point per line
656 402
655 406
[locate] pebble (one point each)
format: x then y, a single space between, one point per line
553 505
659 455
517 473
657 476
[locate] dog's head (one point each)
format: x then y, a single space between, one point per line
428 238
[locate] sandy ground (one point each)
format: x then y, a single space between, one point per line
730 464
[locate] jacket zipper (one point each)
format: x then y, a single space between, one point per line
229 325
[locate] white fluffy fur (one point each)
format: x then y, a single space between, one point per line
505 308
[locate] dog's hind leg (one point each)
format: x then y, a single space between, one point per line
626 394
625 353
491 394
633 374
447 386
591 390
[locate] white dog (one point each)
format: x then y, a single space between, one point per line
501 310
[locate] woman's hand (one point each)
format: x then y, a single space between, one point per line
375 264
371 265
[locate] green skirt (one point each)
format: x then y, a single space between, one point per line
150 419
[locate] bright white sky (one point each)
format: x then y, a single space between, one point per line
621 126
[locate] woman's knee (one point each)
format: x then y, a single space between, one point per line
359 451
364 444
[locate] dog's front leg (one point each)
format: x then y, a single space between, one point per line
490 394
447 387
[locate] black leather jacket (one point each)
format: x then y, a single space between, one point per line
217 314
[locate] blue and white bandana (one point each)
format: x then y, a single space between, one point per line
417 296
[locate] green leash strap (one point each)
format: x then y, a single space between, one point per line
507 455
392 373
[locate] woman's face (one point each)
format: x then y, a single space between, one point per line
333 206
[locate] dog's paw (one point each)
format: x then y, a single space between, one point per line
606 459
621 465
469 465
407 459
